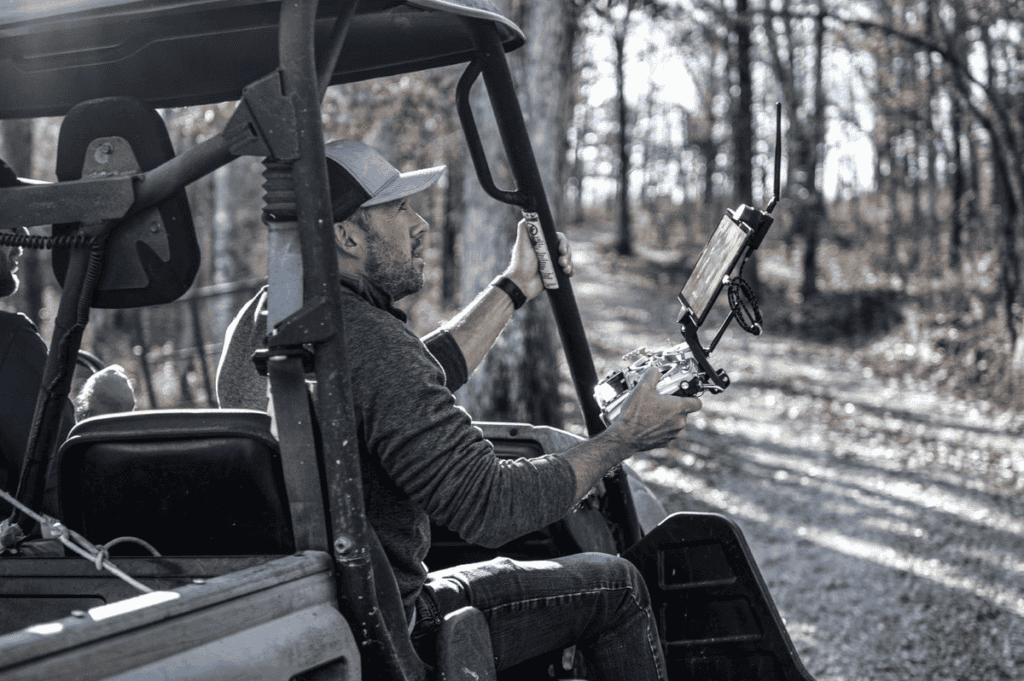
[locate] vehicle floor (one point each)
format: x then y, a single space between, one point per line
886 517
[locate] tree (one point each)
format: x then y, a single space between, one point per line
743 128
617 13
806 113
518 380
988 86
701 129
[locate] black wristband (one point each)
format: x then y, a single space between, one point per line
513 291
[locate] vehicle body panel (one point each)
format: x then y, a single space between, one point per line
272 620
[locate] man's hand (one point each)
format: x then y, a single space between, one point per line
478 325
648 419
524 269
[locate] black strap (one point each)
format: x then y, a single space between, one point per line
294 419
513 291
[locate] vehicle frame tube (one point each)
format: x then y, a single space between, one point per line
350 533
523 164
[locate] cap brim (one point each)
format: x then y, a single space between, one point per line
407 184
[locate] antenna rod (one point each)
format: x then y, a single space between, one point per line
778 158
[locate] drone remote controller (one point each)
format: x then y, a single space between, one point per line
680 375
686 368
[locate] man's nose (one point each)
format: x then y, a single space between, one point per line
421 226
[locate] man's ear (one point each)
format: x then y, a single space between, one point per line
349 239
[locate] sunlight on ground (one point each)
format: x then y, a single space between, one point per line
937 571
995 556
931 569
951 444
851 483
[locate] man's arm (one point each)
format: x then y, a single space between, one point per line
478 325
648 420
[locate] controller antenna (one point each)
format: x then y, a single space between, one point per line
778 159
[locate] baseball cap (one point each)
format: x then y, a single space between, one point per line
381 181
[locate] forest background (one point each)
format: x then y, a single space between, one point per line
900 230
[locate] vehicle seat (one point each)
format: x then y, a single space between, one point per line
210 482
188 481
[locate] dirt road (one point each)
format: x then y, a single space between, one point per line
887 520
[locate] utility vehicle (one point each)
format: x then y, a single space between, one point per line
267 567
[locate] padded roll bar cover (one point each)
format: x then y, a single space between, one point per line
146 132
188 481
715 616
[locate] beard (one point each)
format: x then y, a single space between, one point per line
8 283
397 276
8 279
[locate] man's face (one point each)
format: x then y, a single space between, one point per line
8 267
396 237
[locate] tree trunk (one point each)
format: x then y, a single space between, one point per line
649 178
815 213
958 192
450 227
707 151
16 150
223 265
518 381
578 170
624 245
742 122
743 132
807 140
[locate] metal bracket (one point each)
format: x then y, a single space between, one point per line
294 335
758 221
80 200
700 355
264 124
113 157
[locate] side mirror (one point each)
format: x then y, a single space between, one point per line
153 256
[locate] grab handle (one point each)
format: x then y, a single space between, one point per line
476 147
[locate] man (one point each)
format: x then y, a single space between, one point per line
22 357
423 460
22 360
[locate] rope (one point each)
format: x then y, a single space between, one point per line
74 541
104 551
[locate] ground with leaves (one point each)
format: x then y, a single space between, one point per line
887 517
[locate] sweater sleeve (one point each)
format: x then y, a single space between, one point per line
429 447
22 363
21 367
449 355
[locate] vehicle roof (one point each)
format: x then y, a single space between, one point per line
169 53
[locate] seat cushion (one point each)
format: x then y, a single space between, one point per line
190 482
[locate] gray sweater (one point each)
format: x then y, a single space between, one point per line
422 457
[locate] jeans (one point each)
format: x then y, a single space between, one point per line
595 601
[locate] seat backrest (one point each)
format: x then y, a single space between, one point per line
188 481
153 257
